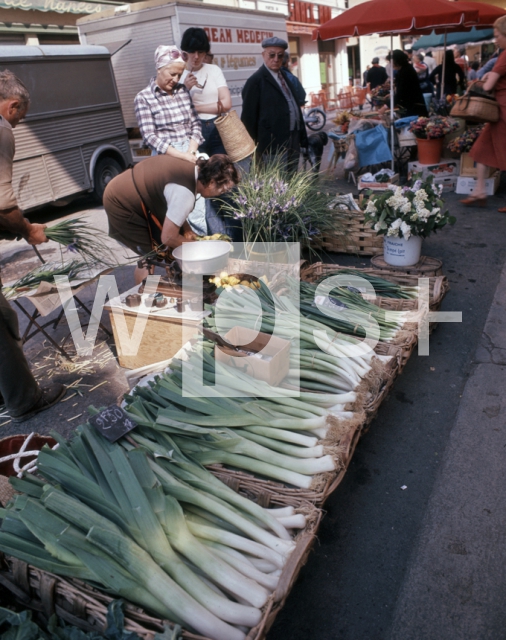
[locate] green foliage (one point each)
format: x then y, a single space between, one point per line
20 626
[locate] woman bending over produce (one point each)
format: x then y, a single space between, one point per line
149 204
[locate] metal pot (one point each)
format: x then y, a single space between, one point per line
204 257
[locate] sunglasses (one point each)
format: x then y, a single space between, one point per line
278 56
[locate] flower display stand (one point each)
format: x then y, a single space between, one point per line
426 267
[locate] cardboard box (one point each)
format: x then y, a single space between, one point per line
468 167
449 183
406 137
440 170
379 186
277 350
466 185
163 335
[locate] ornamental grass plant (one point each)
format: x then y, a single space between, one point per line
275 207
417 210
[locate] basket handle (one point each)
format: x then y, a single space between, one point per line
221 109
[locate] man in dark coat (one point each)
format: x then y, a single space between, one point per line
270 110
377 74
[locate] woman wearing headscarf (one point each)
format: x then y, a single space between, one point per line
207 86
167 119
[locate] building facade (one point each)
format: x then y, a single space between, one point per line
44 22
317 64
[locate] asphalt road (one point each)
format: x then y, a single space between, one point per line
358 583
368 572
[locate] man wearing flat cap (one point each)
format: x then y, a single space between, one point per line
270 110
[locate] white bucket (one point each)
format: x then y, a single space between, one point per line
400 252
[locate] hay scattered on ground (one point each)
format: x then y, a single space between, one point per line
53 363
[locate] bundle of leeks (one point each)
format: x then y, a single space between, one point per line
163 533
337 298
45 273
323 360
272 432
77 236
382 287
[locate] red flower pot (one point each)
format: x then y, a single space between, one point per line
430 150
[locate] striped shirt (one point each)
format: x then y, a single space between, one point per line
166 119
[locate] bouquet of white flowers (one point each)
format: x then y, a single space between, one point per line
417 210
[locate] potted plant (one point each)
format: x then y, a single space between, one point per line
465 141
405 216
429 134
276 209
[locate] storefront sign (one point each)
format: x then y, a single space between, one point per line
250 36
299 29
58 6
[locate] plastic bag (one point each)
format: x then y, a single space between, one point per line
351 157
372 146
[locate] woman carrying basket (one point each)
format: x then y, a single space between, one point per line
490 148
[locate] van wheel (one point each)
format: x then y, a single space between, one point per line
105 170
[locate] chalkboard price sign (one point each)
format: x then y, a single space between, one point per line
113 423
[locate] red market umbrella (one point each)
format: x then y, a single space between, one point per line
407 16
401 16
487 13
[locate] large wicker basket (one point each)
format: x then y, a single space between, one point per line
352 235
438 286
79 604
475 109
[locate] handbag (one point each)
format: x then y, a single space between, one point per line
235 137
476 105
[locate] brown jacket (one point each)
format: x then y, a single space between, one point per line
151 177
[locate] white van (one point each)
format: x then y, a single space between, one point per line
133 32
73 139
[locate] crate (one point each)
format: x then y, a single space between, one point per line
85 607
426 267
353 235
163 335
445 169
448 183
406 137
378 186
468 167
